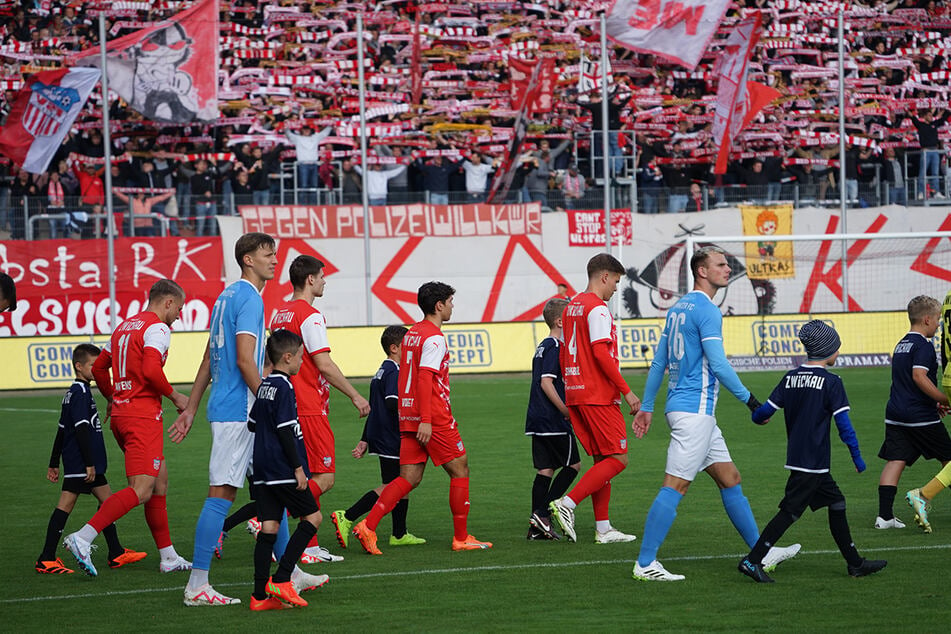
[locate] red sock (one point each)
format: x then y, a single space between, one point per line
396 490
601 500
459 505
595 478
115 506
156 516
315 491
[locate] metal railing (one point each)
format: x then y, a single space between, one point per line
31 217
66 222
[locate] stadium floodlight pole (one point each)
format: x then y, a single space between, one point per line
604 133
843 211
107 150
363 162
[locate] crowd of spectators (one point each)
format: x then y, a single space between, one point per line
288 97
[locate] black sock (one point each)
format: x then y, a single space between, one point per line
54 530
362 506
771 534
540 493
295 548
240 516
886 499
399 517
112 540
839 526
561 484
262 563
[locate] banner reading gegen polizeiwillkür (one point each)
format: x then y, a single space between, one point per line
63 285
767 258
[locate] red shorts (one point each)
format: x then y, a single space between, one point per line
444 445
600 429
142 442
319 442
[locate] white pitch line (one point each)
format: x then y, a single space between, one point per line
443 571
23 409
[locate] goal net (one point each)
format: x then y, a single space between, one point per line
860 283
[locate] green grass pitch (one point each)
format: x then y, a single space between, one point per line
518 585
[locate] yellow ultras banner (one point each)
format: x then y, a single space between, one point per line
767 258
751 342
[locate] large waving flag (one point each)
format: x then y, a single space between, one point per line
504 175
737 104
541 94
42 114
167 72
679 31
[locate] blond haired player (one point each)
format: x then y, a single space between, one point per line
920 499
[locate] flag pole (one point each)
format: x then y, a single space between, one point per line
608 241
363 162
843 212
604 134
107 172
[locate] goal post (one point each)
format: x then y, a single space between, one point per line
859 282
851 272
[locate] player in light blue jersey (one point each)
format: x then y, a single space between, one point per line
237 318
233 364
691 350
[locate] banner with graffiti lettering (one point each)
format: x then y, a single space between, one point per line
767 258
63 285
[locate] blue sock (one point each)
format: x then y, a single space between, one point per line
283 536
660 518
739 511
210 522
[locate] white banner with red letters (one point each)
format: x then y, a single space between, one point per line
393 221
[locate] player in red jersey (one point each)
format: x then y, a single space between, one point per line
136 354
312 383
593 381
428 429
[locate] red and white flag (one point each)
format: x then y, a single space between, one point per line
678 30
167 72
735 103
42 114
589 74
540 93
511 158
